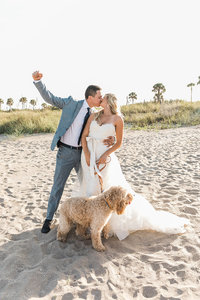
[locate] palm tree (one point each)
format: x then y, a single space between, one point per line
191 85
158 89
1 102
33 103
10 102
44 105
132 96
23 100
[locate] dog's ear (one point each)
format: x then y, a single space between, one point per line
121 205
129 198
112 194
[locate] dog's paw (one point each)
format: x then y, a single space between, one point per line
87 236
61 238
84 237
106 235
100 248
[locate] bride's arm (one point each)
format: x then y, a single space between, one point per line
119 127
83 139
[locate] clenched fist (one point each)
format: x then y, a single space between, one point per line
37 75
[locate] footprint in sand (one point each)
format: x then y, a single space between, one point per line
83 295
149 291
155 266
68 296
172 268
190 210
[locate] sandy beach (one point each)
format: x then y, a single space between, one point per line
164 166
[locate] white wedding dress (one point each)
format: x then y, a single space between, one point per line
140 214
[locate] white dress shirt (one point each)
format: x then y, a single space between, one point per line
72 134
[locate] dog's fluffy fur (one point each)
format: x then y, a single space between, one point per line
93 212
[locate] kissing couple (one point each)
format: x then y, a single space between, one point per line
86 142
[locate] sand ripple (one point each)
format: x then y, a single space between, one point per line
164 166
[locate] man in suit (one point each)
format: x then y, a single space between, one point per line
67 138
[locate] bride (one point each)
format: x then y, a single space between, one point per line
100 169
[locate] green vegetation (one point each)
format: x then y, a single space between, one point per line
10 102
1 102
168 114
191 86
33 102
131 97
23 101
159 89
29 121
148 115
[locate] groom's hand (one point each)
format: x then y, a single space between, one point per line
109 141
36 75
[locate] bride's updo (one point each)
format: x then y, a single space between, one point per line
112 102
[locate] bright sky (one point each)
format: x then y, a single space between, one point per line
120 45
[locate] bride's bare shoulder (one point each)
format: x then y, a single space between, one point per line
118 120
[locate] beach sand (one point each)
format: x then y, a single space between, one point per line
164 166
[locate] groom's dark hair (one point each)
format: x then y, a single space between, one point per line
91 90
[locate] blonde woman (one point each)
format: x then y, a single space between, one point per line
100 170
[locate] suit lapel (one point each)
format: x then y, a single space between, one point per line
77 109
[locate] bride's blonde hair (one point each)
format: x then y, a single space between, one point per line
112 102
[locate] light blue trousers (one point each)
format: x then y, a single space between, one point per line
66 160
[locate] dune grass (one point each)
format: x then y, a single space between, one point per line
139 116
28 121
168 114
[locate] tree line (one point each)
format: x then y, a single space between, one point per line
158 89
23 101
191 86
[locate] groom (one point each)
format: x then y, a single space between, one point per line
67 138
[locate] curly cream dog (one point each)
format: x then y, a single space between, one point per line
93 212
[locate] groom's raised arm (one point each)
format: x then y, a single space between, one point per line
47 95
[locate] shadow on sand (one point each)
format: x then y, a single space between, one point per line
32 264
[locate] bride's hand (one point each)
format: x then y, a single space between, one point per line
102 160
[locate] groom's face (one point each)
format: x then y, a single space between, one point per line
96 100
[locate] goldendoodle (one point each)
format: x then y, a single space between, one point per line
93 212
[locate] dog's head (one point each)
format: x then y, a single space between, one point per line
118 199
